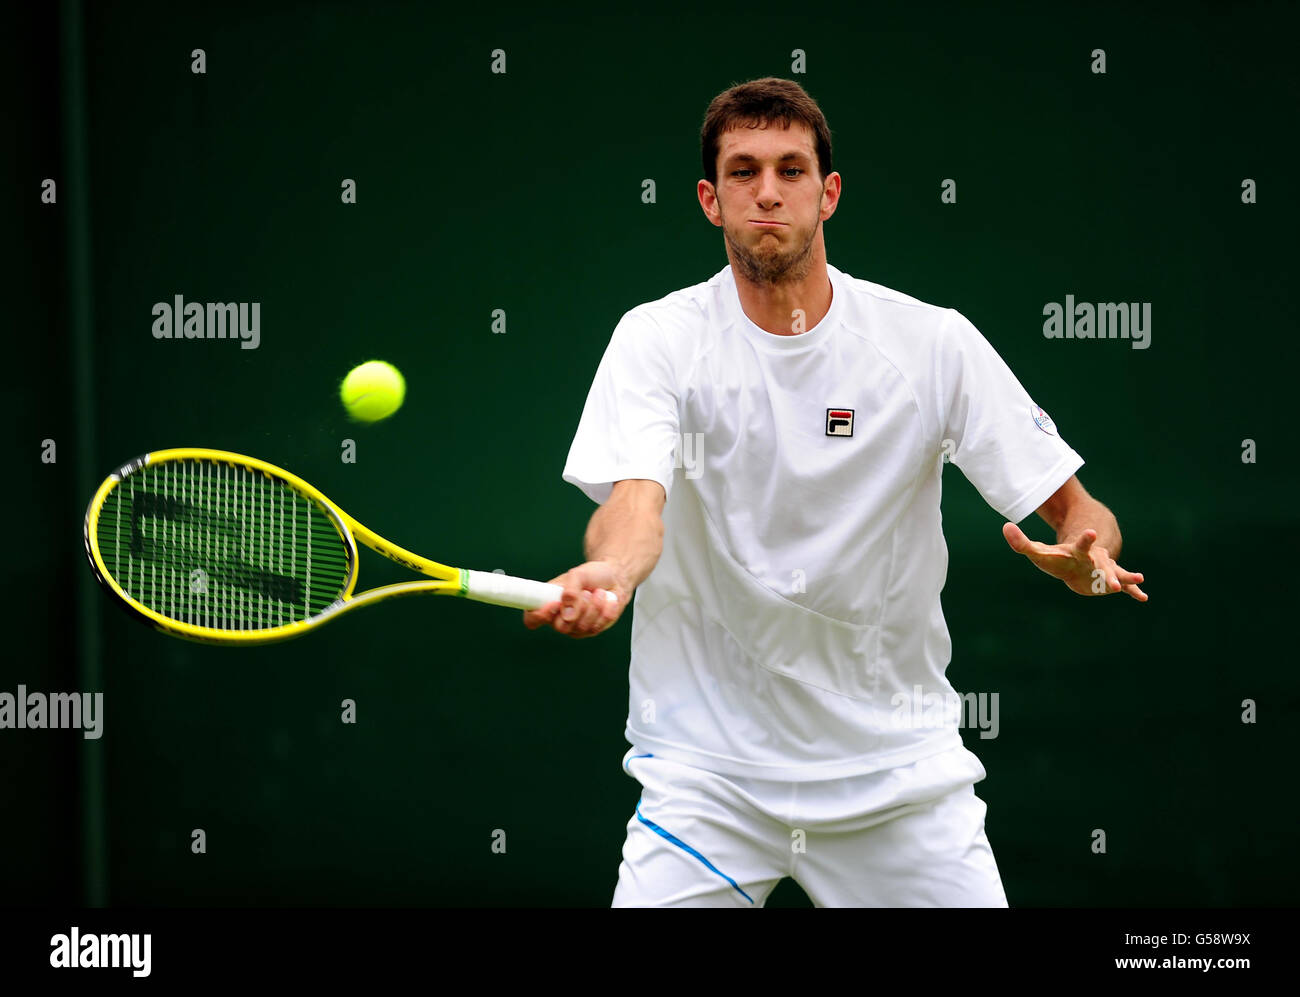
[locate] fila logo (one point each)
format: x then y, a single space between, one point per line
839 422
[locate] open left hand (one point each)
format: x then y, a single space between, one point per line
1077 564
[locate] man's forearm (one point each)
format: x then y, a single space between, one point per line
1089 514
627 532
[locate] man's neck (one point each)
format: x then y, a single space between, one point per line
790 307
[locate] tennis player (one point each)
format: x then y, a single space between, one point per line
766 449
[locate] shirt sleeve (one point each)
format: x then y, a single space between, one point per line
630 424
1004 443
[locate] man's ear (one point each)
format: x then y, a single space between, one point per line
708 195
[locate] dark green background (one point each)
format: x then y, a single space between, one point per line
522 192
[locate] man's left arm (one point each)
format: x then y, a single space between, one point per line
1087 544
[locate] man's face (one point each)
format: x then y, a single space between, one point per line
769 200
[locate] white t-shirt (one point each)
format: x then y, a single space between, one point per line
792 627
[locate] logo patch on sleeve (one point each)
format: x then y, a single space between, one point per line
1042 420
839 422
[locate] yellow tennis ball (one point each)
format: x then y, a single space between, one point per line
373 391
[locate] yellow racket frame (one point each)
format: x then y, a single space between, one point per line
450 581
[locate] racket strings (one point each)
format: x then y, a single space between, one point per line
219 545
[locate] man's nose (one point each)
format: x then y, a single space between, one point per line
768 192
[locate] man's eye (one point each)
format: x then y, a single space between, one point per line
788 169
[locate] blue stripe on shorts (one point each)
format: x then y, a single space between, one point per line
689 850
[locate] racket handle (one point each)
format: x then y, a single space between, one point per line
506 590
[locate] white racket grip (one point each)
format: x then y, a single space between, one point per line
506 590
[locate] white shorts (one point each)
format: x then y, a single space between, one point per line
911 836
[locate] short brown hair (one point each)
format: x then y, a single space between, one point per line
762 102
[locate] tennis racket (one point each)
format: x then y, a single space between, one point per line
221 548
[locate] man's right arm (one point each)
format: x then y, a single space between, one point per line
623 542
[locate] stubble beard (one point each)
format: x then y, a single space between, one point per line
771 266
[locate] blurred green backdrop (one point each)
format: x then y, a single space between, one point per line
481 191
